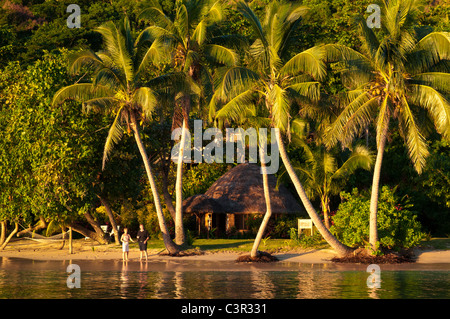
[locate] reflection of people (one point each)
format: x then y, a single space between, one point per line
125 239
143 237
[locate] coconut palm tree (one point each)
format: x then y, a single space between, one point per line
322 176
116 89
191 40
398 76
278 80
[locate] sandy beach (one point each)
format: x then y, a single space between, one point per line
88 250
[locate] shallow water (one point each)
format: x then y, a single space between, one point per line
167 279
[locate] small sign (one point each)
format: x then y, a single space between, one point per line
305 224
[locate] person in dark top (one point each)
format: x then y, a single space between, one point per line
142 237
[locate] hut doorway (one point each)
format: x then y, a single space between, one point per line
219 221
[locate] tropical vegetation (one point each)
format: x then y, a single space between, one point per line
86 114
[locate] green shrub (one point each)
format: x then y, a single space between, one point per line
304 240
398 227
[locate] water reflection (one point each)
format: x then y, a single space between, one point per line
117 279
262 284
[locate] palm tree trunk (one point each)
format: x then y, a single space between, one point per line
166 195
373 229
168 243
111 219
340 248
326 210
16 229
165 169
179 229
263 226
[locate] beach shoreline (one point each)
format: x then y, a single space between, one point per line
86 250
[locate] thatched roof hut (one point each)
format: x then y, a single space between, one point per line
240 191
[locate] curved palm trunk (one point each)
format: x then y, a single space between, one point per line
340 248
179 229
373 229
263 226
168 243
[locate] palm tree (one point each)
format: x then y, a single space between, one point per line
397 76
116 88
277 80
321 175
189 38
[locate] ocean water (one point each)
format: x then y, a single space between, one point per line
180 279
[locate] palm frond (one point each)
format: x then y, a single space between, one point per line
109 77
99 104
354 117
155 54
436 104
220 54
181 23
437 80
280 107
116 46
415 142
200 32
251 17
86 58
115 134
299 127
237 107
215 13
81 92
438 43
234 79
368 39
158 17
339 53
328 164
310 61
311 90
429 52
146 99
361 157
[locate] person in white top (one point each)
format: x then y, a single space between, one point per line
125 239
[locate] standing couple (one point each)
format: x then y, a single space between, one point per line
142 237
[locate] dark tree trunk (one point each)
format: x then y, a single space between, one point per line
16 229
111 219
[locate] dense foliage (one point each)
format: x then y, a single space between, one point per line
51 157
397 223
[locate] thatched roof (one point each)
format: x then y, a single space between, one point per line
240 191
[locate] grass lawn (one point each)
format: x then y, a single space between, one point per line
235 245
